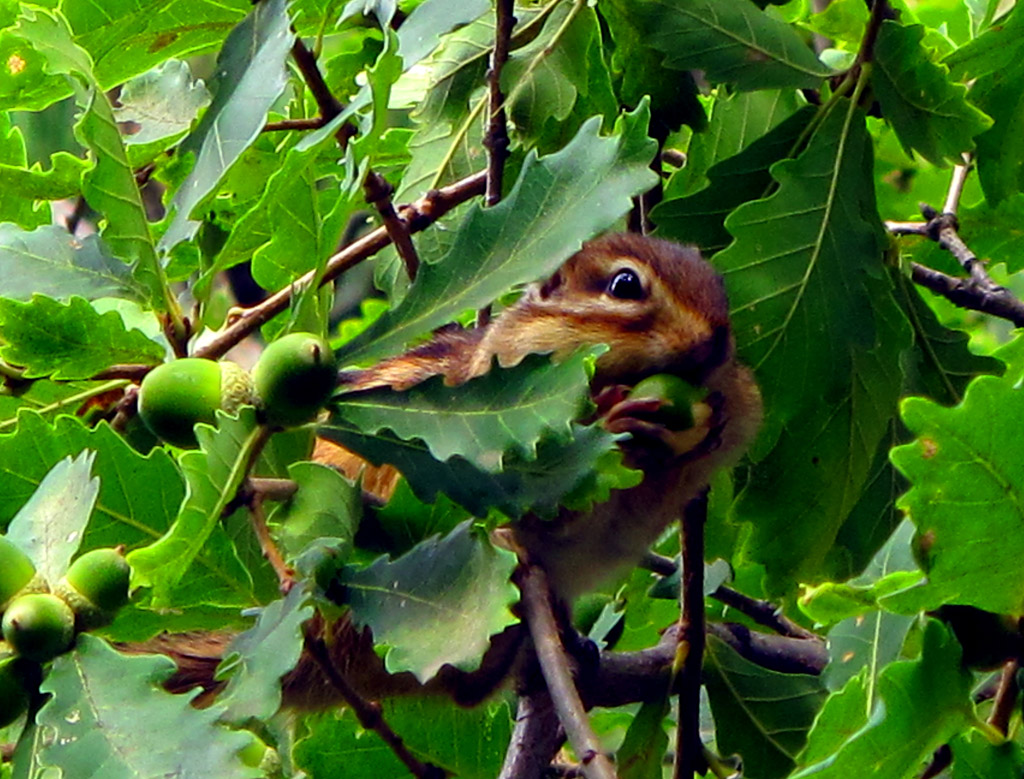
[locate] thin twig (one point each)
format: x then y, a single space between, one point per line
328 104
965 293
956 186
378 194
496 140
258 519
417 216
690 649
784 654
762 612
1006 697
976 292
273 489
312 123
127 371
554 666
535 740
880 11
367 712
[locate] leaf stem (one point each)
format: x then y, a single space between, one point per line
71 400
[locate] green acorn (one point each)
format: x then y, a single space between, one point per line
174 396
16 570
39 626
677 397
95 586
19 678
294 378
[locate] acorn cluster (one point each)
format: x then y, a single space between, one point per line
40 621
290 383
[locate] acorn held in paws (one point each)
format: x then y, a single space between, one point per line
676 396
294 378
175 396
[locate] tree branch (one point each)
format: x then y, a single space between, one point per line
690 647
496 141
555 668
762 612
328 104
417 216
378 194
535 740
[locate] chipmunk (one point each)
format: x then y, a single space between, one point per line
661 309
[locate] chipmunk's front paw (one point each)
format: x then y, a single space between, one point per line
643 420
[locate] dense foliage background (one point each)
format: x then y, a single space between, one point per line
153 155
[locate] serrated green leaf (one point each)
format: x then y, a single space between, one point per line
764 715
105 708
69 340
125 39
62 180
1000 150
256 660
805 281
468 743
580 472
998 47
504 411
213 474
138 501
929 113
965 463
976 757
326 509
872 638
250 77
732 41
844 713
439 603
338 743
922 704
109 186
737 120
700 218
50 261
405 520
643 749
557 202
638 70
138 495
940 366
25 83
422 31
162 102
50 526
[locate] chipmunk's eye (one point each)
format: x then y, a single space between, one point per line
626 285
